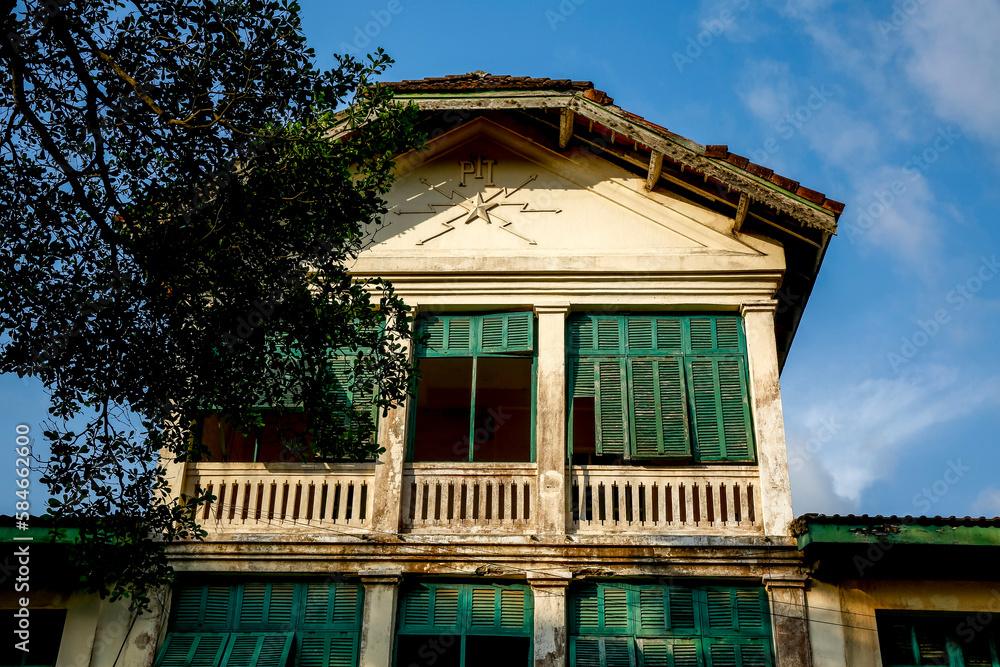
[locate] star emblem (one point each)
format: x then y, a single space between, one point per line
480 209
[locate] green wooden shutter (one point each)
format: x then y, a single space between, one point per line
332 606
682 609
581 333
585 609
669 652
721 408
506 332
258 649
610 404
737 653
266 604
602 652
615 607
324 650
639 334
182 649
669 336
652 609
445 335
658 408
582 377
737 611
446 604
203 608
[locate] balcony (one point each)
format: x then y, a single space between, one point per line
329 501
283 497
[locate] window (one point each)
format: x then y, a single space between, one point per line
265 625
464 625
284 434
958 640
476 388
658 388
46 629
616 624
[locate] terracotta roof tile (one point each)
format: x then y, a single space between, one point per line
758 170
737 160
833 205
483 81
713 150
785 183
811 195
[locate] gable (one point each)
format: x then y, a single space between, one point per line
484 191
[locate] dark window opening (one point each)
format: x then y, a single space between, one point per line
937 639
482 651
46 626
444 399
283 437
444 650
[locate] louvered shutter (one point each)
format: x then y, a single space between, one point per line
506 332
266 605
446 605
258 649
669 652
181 649
331 606
602 652
721 408
669 334
653 609
610 404
417 607
581 333
615 607
586 609
737 653
681 604
203 608
445 335
739 611
582 377
658 406
321 650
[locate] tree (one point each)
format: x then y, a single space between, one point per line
181 199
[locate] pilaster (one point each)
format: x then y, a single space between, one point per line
768 421
551 643
790 621
378 625
550 420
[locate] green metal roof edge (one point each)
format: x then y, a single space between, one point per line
12 535
895 533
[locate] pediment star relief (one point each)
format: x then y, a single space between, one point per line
481 206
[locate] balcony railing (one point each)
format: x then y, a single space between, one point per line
262 497
476 499
695 500
469 498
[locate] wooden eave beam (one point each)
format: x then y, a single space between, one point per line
566 127
655 167
741 212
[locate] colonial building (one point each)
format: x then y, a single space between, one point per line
592 468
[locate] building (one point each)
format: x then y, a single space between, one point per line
593 468
898 591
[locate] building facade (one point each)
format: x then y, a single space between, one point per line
592 468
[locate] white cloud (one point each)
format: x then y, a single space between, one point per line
987 503
878 419
955 61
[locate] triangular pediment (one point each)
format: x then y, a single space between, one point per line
485 189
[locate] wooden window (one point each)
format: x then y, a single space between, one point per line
616 624
269 624
913 639
475 393
465 625
657 387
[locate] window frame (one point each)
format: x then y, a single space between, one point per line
949 622
463 626
475 351
685 354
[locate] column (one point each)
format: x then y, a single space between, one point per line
387 487
378 625
550 421
768 422
549 598
790 622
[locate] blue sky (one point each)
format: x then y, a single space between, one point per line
892 388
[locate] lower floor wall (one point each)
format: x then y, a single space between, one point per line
254 604
884 622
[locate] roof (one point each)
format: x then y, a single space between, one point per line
813 529
567 116
483 82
